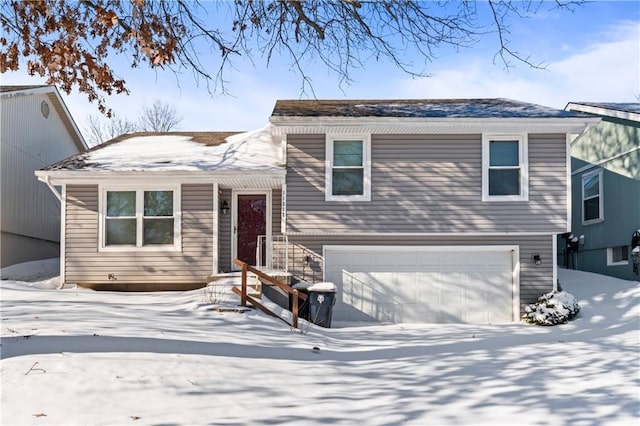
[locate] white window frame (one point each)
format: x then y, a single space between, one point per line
523 158
140 190
600 217
366 165
611 262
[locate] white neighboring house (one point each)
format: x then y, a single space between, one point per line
36 130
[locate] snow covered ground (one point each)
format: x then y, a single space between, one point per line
75 356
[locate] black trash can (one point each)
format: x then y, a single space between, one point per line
322 297
303 305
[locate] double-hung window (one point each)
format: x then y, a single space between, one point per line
140 218
592 207
505 172
348 168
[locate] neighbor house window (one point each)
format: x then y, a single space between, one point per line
618 256
140 218
504 168
592 207
348 168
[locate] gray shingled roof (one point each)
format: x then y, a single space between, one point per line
418 108
16 88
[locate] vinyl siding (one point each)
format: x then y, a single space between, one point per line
426 183
84 264
534 280
224 233
621 198
29 142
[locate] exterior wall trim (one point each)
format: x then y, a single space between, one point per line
554 248
215 249
63 228
569 186
418 234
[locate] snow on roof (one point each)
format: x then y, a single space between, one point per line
181 151
418 108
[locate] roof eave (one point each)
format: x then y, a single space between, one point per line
438 125
60 177
601 110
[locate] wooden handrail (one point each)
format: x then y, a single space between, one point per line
259 305
264 277
261 275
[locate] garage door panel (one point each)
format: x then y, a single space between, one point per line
421 285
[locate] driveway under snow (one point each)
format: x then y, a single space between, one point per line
75 356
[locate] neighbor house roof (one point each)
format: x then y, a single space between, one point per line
17 88
417 108
51 92
623 110
179 151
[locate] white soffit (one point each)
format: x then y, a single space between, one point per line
376 125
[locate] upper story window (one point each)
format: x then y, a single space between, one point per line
139 218
348 168
592 206
505 171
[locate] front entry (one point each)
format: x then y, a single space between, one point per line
251 214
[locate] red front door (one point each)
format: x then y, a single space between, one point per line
252 221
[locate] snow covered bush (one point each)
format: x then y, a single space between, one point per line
552 308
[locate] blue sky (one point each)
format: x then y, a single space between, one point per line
591 54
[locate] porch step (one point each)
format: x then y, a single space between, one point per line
234 279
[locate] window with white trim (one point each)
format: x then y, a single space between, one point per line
139 218
592 206
505 171
618 255
348 168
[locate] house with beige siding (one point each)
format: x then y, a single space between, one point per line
418 210
36 129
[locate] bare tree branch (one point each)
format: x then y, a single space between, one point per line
71 42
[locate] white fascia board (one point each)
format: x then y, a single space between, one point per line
28 91
422 234
569 184
599 110
57 177
393 125
401 249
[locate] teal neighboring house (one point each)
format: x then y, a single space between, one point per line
605 169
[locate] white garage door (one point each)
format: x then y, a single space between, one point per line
424 284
